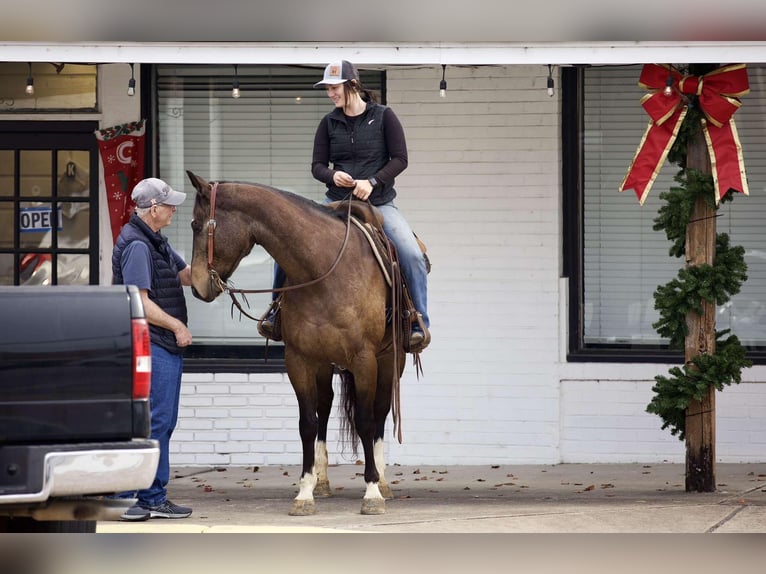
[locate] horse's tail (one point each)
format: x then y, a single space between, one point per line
348 400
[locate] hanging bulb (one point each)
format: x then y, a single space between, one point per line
132 83
235 84
30 89
668 91
443 83
550 81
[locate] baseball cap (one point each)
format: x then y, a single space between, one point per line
337 73
153 191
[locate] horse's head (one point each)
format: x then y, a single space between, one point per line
219 242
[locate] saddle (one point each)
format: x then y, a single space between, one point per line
370 221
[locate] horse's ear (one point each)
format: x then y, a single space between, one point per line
199 183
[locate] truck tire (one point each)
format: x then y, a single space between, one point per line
23 524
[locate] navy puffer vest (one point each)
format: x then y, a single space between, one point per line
166 290
359 148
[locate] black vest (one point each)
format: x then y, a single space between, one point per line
166 290
358 147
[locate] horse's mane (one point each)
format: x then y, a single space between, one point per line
299 200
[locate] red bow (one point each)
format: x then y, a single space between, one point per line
718 93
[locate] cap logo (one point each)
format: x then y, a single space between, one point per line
334 71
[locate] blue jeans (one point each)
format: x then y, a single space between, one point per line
164 398
411 259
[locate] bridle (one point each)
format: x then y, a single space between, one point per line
218 283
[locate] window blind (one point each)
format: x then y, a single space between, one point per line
264 136
624 259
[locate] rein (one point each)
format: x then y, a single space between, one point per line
216 280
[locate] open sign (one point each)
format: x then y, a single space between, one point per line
36 219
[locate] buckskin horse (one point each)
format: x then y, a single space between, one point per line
330 321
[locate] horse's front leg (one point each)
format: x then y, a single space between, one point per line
366 383
305 392
324 406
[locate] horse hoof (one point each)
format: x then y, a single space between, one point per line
373 506
303 508
385 490
322 488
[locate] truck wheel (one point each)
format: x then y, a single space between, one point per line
24 524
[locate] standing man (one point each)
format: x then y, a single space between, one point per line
143 257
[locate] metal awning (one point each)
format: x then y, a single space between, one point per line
387 53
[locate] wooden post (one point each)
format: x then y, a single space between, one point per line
700 415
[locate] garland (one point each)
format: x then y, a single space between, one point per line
713 283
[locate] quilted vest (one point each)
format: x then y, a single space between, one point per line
166 290
359 148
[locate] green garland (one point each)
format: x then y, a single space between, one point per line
714 283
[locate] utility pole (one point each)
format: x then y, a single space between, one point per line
700 249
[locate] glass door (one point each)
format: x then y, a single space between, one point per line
48 203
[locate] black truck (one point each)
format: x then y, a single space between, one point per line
75 375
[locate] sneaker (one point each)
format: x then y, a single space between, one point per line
136 513
169 510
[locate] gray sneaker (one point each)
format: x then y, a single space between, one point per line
136 513
169 510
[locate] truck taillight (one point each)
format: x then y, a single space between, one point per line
142 359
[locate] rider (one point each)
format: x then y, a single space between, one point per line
364 141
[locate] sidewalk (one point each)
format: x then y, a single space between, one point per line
566 498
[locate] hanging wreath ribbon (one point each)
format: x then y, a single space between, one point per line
718 93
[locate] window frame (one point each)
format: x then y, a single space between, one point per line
262 356
573 189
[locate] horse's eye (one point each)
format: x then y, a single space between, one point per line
195 225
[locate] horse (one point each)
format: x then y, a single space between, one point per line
334 321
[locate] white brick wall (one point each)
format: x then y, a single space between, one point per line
482 190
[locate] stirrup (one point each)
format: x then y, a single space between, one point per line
270 324
420 339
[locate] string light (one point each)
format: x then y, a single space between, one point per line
235 84
30 89
668 91
443 83
550 81
132 82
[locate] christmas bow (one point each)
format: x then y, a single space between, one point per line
718 93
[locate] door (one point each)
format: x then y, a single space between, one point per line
48 203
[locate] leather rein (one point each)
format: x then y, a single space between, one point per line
223 286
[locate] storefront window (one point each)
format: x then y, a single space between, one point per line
623 260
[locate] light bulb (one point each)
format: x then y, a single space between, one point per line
443 83
668 91
30 89
550 86
132 87
235 91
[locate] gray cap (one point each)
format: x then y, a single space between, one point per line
153 191
337 73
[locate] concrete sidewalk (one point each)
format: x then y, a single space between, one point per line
566 498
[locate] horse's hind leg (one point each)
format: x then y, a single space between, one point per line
324 406
382 408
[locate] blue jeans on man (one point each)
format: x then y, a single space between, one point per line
164 399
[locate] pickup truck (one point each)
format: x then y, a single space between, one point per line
75 375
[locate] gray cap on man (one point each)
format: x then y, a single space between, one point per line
153 191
